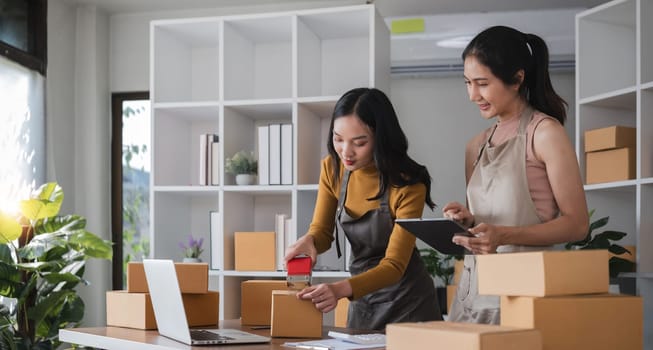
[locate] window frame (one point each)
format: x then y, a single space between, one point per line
35 57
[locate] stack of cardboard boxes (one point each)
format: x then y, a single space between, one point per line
272 303
563 294
610 154
133 307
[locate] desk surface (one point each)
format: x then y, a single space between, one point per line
128 339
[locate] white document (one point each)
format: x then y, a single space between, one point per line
330 344
202 160
216 240
280 228
286 154
275 154
214 160
263 155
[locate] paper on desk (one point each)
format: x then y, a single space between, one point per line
330 344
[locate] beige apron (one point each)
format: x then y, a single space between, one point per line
498 194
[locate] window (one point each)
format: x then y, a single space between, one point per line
23 32
130 181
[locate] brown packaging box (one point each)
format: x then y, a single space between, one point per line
451 295
468 336
612 165
294 318
256 301
254 251
579 322
543 273
341 313
193 277
134 310
609 138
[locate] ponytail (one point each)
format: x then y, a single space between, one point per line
506 51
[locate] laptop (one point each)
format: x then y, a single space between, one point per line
437 233
168 306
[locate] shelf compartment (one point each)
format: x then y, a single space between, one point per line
333 51
185 60
258 58
646 230
246 212
244 120
313 122
178 214
646 134
177 163
604 111
600 70
619 204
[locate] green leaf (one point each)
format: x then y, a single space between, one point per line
10 229
618 265
599 223
45 203
612 235
45 306
92 245
617 249
9 280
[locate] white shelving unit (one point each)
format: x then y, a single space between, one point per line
228 75
614 86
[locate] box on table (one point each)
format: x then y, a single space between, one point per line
256 301
452 335
611 137
341 313
295 318
134 310
543 273
192 277
255 251
611 165
579 322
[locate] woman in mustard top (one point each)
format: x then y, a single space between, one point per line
366 182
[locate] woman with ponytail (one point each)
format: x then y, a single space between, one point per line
524 190
366 182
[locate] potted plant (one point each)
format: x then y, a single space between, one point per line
441 268
42 260
192 250
604 240
244 166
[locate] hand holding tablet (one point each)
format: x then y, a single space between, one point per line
437 233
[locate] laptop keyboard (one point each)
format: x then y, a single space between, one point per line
207 335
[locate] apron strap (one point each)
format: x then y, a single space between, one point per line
341 207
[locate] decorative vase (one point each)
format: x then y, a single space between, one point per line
192 260
245 179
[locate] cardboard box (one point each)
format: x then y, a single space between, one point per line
255 251
543 273
609 138
341 313
579 322
294 318
630 257
193 277
612 165
468 336
134 310
256 301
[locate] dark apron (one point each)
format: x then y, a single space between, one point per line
412 299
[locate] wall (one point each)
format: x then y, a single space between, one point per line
92 55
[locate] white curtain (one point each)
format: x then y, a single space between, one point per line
22 133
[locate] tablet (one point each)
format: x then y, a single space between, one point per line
437 233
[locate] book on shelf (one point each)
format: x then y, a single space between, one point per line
263 154
214 160
202 160
275 154
216 240
286 154
280 230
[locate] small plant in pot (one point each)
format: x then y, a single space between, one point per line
192 249
604 240
243 165
441 267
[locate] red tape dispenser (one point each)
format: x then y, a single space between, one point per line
299 272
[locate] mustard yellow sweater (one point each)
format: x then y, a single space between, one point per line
404 202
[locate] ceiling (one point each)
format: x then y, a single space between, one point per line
553 20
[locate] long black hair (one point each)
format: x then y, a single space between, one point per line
505 51
391 158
